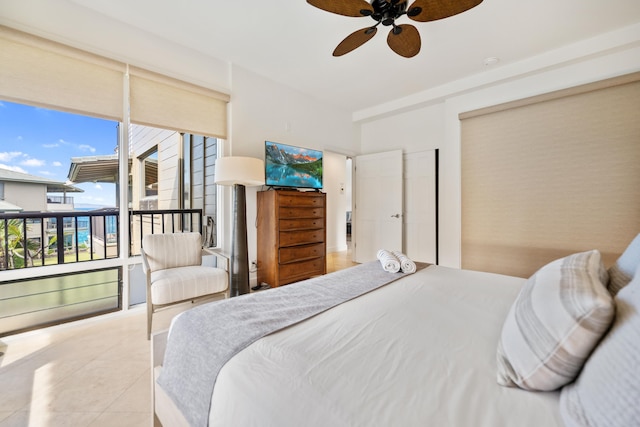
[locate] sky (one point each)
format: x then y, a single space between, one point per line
42 142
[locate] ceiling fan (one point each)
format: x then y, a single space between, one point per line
403 39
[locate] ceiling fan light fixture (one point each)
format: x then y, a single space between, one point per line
386 12
414 11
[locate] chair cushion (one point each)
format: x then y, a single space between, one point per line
561 313
606 394
183 283
172 250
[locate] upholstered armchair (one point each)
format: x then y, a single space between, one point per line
173 267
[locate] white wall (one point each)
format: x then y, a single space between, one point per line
430 119
262 109
29 196
334 171
415 130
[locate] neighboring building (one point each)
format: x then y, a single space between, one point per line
21 192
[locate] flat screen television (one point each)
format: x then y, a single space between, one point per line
290 166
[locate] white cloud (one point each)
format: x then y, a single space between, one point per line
50 145
81 147
45 173
98 187
85 147
13 168
57 164
8 156
33 162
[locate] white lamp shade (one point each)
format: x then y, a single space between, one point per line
239 170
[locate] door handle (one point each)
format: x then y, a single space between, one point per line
395 216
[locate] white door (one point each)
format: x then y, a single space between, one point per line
378 204
420 206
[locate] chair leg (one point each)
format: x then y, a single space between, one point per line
149 318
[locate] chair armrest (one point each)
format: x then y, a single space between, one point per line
145 262
222 258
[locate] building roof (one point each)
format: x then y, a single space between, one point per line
9 207
102 168
7 175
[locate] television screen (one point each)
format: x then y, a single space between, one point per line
289 166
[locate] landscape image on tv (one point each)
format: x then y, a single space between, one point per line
289 166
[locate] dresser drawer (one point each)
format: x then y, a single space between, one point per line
299 224
291 238
298 253
291 212
306 201
301 270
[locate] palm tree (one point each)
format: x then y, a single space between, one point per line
10 230
14 249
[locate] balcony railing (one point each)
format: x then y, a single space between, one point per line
62 200
46 238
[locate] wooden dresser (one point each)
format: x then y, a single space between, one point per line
291 236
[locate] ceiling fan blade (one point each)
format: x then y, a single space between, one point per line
344 7
404 40
432 10
354 40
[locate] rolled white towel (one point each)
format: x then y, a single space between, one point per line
389 261
406 265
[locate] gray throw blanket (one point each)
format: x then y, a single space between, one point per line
204 338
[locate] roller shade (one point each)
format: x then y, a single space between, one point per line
549 176
44 73
40 72
160 101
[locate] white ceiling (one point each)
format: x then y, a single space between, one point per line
291 42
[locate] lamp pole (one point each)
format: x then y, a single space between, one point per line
239 274
239 172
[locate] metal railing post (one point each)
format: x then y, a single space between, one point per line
60 238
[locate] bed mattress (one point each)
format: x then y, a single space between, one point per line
420 351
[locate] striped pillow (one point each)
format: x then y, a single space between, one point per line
622 271
606 393
555 322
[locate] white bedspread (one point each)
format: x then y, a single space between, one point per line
418 352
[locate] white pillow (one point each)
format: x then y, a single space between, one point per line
561 313
622 271
607 392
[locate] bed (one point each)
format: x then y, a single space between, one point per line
417 351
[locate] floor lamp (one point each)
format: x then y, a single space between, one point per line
239 172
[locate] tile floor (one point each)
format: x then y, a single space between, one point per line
94 372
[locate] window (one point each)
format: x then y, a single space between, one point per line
149 180
47 74
199 154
